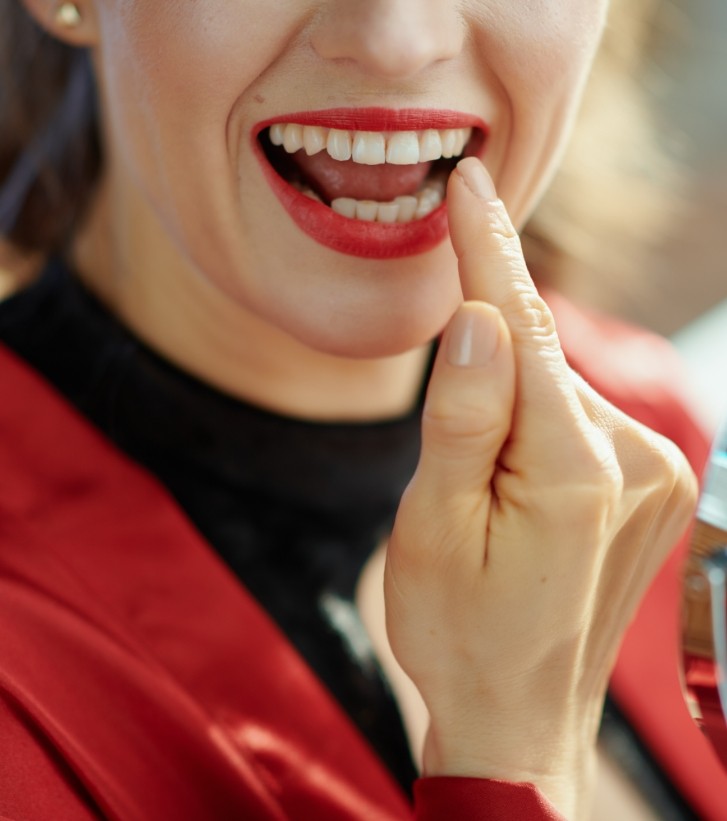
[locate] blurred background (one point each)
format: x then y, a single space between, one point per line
692 111
687 84
650 151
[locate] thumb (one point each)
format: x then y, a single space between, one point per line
468 410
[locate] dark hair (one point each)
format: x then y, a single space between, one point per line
50 154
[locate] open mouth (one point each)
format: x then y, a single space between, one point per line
377 172
374 176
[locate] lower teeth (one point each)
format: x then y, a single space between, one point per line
401 209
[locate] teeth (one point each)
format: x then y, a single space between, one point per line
345 206
371 147
293 138
430 145
460 142
407 208
338 144
387 211
277 133
311 194
314 139
367 210
402 148
402 209
449 141
428 201
376 148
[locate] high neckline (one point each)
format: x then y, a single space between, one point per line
141 400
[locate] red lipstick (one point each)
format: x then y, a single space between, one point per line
373 240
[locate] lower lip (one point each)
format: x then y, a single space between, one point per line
372 240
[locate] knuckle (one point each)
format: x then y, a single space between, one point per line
661 473
677 477
500 225
527 310
667 465
674 489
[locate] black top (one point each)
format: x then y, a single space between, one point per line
294 508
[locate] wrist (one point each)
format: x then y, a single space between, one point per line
560 765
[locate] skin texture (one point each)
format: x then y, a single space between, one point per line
530 488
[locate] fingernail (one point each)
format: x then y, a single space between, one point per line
472 337
476 178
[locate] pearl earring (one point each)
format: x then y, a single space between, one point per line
68 16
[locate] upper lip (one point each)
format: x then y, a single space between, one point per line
379 119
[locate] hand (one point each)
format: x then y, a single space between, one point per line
537 517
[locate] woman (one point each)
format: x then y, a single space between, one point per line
258 275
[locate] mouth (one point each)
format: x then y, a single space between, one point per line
367 182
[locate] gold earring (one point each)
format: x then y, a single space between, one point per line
68 16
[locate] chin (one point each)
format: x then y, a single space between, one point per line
391 329
332 302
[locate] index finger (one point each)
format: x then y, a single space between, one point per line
492 269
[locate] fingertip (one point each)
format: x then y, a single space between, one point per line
476 213
476 178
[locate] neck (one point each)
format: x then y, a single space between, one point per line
158 295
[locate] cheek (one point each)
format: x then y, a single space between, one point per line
541 48
540 51
171 74
193 51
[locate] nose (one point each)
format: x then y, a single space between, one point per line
389 39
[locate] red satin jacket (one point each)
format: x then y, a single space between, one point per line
139 680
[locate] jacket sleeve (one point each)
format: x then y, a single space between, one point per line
35 783
443 798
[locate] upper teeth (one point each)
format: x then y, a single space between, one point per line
372 147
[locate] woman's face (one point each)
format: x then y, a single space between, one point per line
191 88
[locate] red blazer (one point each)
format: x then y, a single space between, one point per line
139 680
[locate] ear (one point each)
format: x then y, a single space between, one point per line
74 23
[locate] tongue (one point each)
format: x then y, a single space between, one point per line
332 179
